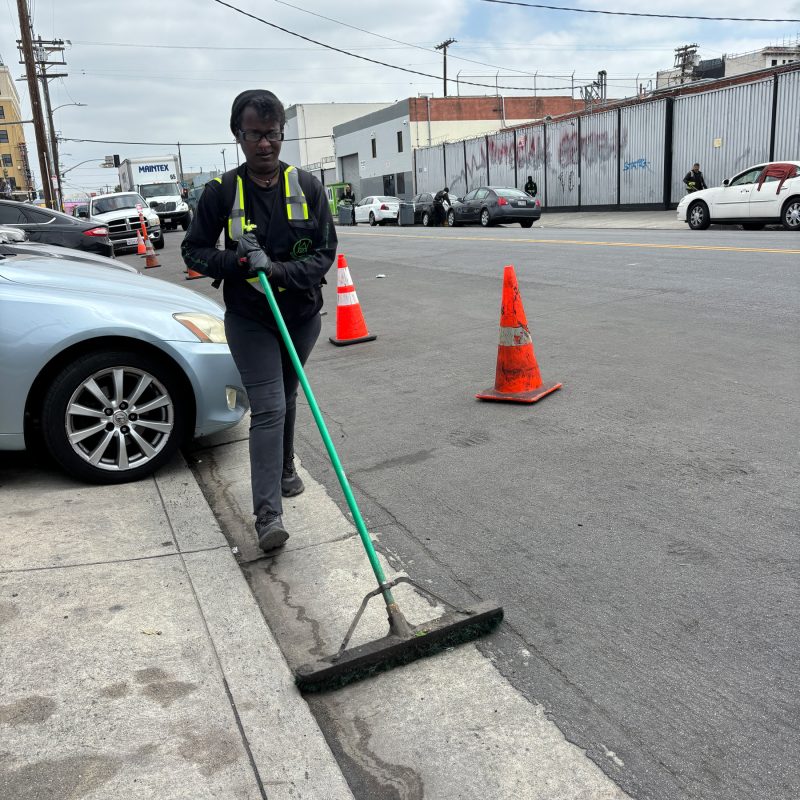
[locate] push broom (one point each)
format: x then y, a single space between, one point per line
404 642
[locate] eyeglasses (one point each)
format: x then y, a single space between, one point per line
257 136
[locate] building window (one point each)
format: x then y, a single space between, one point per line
774 62
2 112
399 141
7 160
374 149
12 182
3 136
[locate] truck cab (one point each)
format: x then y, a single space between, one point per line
166 199
119 212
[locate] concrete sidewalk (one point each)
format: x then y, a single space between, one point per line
648 220
135 662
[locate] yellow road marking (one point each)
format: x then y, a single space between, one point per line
650 245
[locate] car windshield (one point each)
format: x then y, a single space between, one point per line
159 189
513 194
102 205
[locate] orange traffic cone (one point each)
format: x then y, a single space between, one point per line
517 378
150 257
350 325
193 275
140 246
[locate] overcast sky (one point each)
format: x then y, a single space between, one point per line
167 70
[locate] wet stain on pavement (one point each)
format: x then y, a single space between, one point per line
159 688
689 552
115 690
212 751
67 779
400 461
30 710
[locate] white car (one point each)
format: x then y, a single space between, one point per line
119 212
378 209
764 194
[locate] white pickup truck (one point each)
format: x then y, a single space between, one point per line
119 212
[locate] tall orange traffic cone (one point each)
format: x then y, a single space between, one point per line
350 325
150 257
517 378
140 246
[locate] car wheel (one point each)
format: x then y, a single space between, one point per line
158 244
114 417
451 218
526 223
372 220
485 221
698 216
752 226
426 219
790 216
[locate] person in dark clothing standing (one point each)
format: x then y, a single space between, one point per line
348 198
694 179
441 205
276 218
530 186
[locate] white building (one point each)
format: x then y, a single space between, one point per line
761 59
309 133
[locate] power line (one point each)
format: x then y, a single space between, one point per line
183 144
372 60
634 13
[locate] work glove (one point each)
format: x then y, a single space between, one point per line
252 257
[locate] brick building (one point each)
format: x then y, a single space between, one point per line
14 164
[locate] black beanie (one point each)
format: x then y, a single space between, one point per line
247 98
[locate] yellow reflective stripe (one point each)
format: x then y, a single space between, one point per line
218 180
288 191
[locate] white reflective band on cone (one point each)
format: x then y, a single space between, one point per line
348 299
511 337
343 277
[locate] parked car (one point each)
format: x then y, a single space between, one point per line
119 211
14 242
53 227
378 210
764 194
423 208
110 370
493 205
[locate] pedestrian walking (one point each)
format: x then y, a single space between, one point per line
530 186
694 179
275 218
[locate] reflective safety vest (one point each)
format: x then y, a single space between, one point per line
296 209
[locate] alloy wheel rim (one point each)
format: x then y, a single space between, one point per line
793 215
119 418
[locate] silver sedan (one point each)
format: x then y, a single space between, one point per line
111 370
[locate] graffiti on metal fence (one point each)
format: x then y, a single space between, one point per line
640 163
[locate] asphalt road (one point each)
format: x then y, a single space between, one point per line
640 526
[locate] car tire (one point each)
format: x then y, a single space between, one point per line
372 220
426 219
526 223
698 216
151 436
485 219
158 244
752 226
790 214
451 218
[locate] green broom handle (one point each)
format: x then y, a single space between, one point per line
334 456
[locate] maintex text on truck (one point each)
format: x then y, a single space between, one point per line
157 181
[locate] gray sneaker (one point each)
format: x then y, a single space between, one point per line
291 483
271 533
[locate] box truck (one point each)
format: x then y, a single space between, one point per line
157 180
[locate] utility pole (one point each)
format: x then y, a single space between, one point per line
43 50
26 47
685 60
443 47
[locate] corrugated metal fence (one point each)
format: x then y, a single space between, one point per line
633 155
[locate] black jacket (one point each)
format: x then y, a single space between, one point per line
694 181
301 252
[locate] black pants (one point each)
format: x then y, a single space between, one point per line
271 384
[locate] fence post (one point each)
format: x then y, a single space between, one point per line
668 137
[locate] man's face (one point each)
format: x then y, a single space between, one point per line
262 155
696 168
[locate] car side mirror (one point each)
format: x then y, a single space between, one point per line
725 182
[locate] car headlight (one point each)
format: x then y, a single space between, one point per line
182 207
205 327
